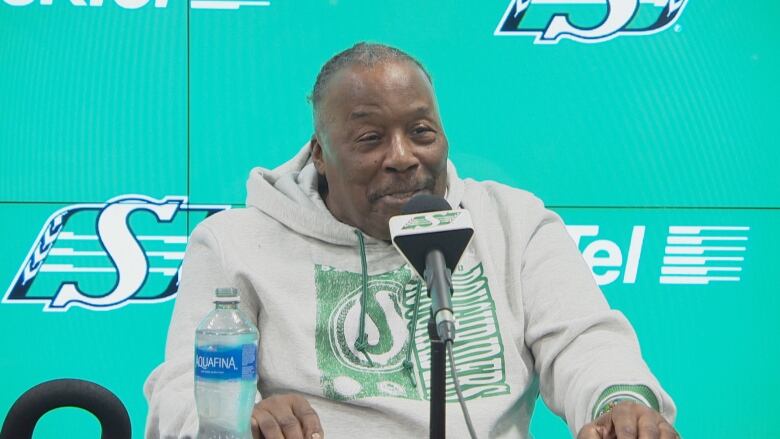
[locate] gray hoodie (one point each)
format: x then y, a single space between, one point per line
342 319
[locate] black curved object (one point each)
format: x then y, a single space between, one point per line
36 402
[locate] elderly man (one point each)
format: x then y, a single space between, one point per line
343 346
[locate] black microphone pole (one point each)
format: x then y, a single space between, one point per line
441 329
438 406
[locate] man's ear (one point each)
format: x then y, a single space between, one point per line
316 154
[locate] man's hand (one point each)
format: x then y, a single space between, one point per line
285 417
629 420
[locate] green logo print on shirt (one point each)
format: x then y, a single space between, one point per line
346 373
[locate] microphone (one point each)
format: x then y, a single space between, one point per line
432 237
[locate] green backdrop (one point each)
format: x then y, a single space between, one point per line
638 137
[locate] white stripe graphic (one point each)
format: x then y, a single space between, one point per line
226 4
168 239
176 256
694 260
695 230
698 240
69 268
698 280
696 270
70 236
686 258
64 251
699 250
164 271
70 252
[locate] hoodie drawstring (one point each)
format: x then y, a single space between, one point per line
408 365
361 344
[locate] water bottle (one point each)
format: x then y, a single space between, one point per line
225 370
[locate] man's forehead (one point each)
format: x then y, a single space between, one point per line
359 92
359 84
362 111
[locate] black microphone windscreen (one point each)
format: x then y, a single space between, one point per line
425 203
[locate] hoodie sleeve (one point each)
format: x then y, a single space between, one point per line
169 389
586 354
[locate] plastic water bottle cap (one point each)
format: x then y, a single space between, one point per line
226 295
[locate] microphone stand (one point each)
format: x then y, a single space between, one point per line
441 327
438 383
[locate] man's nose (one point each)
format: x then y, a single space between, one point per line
400 157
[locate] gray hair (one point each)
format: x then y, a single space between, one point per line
362 54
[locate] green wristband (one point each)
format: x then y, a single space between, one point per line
622 392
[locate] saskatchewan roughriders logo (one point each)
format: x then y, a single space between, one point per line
587 21
348 374
103 256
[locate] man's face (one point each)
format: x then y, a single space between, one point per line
379 142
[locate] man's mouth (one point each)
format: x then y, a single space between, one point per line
403 192
401 197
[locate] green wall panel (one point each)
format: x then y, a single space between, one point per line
92 101
681 118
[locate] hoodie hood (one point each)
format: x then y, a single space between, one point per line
289 194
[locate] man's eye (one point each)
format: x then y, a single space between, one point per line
423 131
370 137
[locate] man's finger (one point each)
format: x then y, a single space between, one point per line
286 420
667 431
625 421
266 425
254 429
648 427
590 431
604 421
310 421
